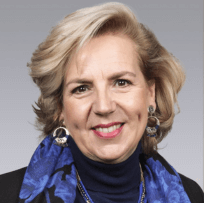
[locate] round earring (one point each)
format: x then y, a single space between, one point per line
61 141
151 131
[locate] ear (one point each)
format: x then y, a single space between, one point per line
151 95
61 116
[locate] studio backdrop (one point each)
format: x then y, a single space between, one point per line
178 25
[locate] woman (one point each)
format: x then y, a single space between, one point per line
108 90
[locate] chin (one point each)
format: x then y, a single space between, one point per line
109 160
111 157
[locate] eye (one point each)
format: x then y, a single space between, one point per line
122 82
80 89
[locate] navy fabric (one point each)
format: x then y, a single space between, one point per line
108 182
51 174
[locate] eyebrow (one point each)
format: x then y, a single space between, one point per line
112 77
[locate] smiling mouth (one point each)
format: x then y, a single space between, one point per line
109 129
109 132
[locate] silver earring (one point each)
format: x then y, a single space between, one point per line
151 131
61 141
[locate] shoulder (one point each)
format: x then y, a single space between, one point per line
10 185
193 190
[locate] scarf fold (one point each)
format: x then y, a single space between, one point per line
50 174
51 177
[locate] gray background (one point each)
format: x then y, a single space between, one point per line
178 24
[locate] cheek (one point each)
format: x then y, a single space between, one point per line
75 113
136 108
70 113
136 103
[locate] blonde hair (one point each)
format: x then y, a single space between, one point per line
52 56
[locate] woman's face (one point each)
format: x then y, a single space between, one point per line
104 85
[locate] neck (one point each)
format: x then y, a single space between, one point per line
107 178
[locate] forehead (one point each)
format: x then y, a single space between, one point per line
107 53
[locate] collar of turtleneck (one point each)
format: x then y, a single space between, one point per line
108 178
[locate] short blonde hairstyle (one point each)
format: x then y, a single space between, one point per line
156 63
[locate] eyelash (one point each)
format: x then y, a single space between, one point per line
86 86
127 81
75 90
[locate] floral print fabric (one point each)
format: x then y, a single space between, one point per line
51 177
161 185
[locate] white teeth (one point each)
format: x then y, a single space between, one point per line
105 130
108 130
118 126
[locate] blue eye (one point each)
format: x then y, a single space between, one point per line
122 82
80 89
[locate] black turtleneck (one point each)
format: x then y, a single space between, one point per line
108 183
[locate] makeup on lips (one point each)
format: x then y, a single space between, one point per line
108 131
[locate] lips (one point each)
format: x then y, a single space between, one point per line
107 125
108 135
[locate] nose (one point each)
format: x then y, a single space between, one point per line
104 103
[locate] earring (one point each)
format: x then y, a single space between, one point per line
61 141
151 131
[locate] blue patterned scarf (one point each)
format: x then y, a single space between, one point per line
51 177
